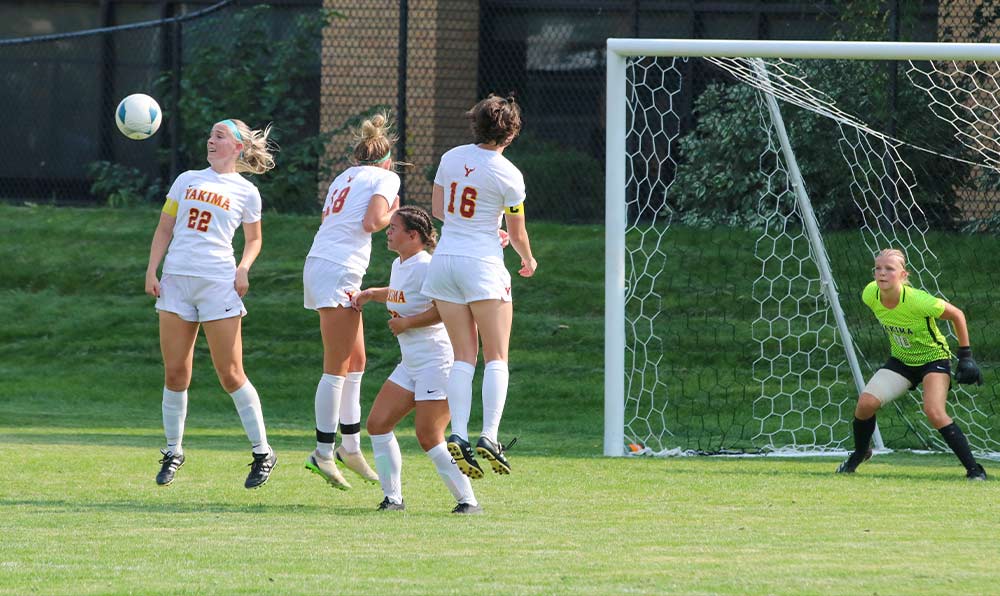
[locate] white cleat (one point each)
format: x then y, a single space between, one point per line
327 468
356 463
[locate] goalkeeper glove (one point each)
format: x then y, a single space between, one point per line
967 372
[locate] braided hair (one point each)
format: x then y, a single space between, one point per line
417 220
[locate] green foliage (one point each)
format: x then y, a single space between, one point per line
562 183
123 186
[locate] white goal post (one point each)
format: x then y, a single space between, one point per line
801 413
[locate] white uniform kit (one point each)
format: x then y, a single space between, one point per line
200 269
427 354
342 249
468 262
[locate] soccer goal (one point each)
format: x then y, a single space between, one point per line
749 184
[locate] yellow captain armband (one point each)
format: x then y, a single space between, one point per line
515 210
170 207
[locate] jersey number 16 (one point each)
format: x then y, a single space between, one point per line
467 204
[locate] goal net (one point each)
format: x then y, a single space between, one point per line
749 185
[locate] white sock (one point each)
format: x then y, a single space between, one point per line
248 407
459 390
328 395
350 413
457 482
494 397
389 465
175 406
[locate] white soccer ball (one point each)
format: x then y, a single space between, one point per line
138 116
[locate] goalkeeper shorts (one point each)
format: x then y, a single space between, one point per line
895 378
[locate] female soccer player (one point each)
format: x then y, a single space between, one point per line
202 285
475 185
360 201
919 354
418 382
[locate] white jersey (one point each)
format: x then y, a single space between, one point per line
478 184
423 345
341 237
210 208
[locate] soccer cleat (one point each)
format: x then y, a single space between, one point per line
356 463
977 474
494 453
467 509
461 452
170 464
260 469
851 463
387 505
327 468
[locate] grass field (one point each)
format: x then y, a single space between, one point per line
80 382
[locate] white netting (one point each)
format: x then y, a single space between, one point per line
717 364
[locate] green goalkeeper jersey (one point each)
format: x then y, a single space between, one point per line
914 337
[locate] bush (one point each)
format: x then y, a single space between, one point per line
562 183
123 186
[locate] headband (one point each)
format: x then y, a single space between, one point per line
378 161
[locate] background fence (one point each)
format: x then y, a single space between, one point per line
313 73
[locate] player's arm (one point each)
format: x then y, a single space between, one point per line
437 202
425 319
379 212
957 318
967 372
517 231
158 248
369 294
253 240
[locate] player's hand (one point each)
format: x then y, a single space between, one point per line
504 237
528 267
242 282
152 284
360 299
967 372
398 325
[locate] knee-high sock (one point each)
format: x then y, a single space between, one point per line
494 397
248 407
459 390
457 482
328 397
175 405
350 413
389 465
955 438
863 431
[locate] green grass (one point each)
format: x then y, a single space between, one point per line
80 379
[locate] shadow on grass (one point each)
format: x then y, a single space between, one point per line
51 506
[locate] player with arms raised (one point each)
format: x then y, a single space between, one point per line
919 354
203 286
474 188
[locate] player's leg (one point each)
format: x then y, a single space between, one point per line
392 403
884 386
431 418
349 451
177 339
461 329
493 319
225 343
339 327
936 387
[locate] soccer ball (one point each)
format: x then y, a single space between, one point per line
138 116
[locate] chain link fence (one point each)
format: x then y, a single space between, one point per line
314 67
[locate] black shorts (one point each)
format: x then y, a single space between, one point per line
915 374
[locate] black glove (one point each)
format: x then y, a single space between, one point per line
967 372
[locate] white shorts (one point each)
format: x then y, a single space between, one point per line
427 384
886 385
328 284
465 279
197 299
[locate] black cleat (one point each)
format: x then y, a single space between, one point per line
461 452
851 463
467 509
387 505
170 464
977 474
494 453
260 469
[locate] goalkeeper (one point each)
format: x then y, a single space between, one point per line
919 354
